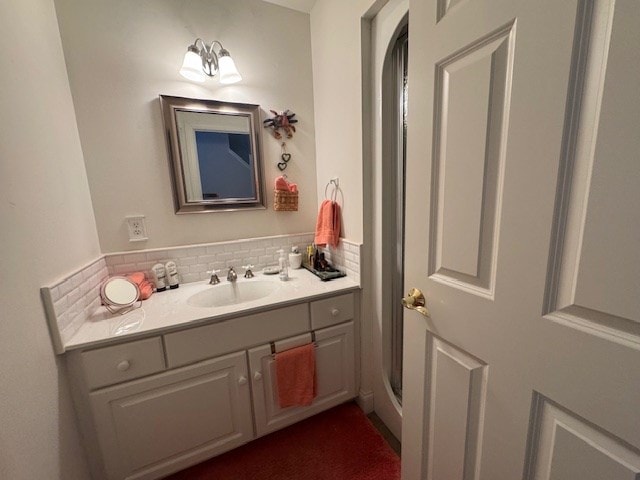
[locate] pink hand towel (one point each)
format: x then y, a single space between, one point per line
296 376
281 184
328 224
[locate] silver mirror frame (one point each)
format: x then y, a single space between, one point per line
170 106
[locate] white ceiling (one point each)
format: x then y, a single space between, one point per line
300 5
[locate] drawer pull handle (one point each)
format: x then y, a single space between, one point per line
257 376
335 312
123 366
242 380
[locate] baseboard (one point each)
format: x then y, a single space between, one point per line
365 401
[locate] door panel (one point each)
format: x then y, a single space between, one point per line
456 404
568 447
524 238
471 116
595 282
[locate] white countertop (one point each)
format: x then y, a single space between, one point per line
167 310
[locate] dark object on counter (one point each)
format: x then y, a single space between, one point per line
326 275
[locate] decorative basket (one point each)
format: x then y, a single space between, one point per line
285 201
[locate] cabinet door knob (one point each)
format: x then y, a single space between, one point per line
123 366
257 376
242 380
335 312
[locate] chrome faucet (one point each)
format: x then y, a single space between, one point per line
232 276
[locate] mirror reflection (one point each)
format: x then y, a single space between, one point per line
215 148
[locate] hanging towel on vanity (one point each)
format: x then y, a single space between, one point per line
328 224
296 376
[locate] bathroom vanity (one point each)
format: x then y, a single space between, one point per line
190 382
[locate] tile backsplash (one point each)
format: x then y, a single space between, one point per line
70 301
195 261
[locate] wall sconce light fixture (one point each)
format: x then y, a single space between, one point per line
202 59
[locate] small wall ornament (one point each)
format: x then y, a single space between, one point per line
281 122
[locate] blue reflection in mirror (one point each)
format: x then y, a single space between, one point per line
226 164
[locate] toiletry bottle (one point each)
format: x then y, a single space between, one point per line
309 258
295 258
282 264
160 275
172 274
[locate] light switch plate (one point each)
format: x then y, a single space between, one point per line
137 228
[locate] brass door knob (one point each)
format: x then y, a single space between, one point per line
415 301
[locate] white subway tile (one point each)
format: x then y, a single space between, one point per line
223 257
190 277
184 261
197 251
197 268
114 260
125 268
266 259
73 296
157 255
205 259
60 306
55 294
136 257
65 287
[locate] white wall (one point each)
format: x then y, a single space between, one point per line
122 54
340 42
337 78
48 229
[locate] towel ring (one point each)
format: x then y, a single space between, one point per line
336 186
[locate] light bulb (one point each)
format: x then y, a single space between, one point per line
192 66
227 70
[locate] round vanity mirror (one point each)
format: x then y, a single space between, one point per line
119 294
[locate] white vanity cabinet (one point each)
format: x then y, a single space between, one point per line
154 406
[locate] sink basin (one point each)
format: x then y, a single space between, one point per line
232 294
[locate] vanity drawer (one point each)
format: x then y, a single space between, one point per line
109 365
331 311
195 344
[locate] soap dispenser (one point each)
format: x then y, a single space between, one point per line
282 264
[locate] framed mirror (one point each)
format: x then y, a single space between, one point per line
215 153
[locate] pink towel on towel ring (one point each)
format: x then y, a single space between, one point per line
296 376
328 224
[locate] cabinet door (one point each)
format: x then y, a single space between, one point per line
334 370
149 428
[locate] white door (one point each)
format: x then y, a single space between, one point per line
523 232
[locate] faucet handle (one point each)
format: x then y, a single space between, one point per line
214 280
248 271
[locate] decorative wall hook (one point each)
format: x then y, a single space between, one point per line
281 122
